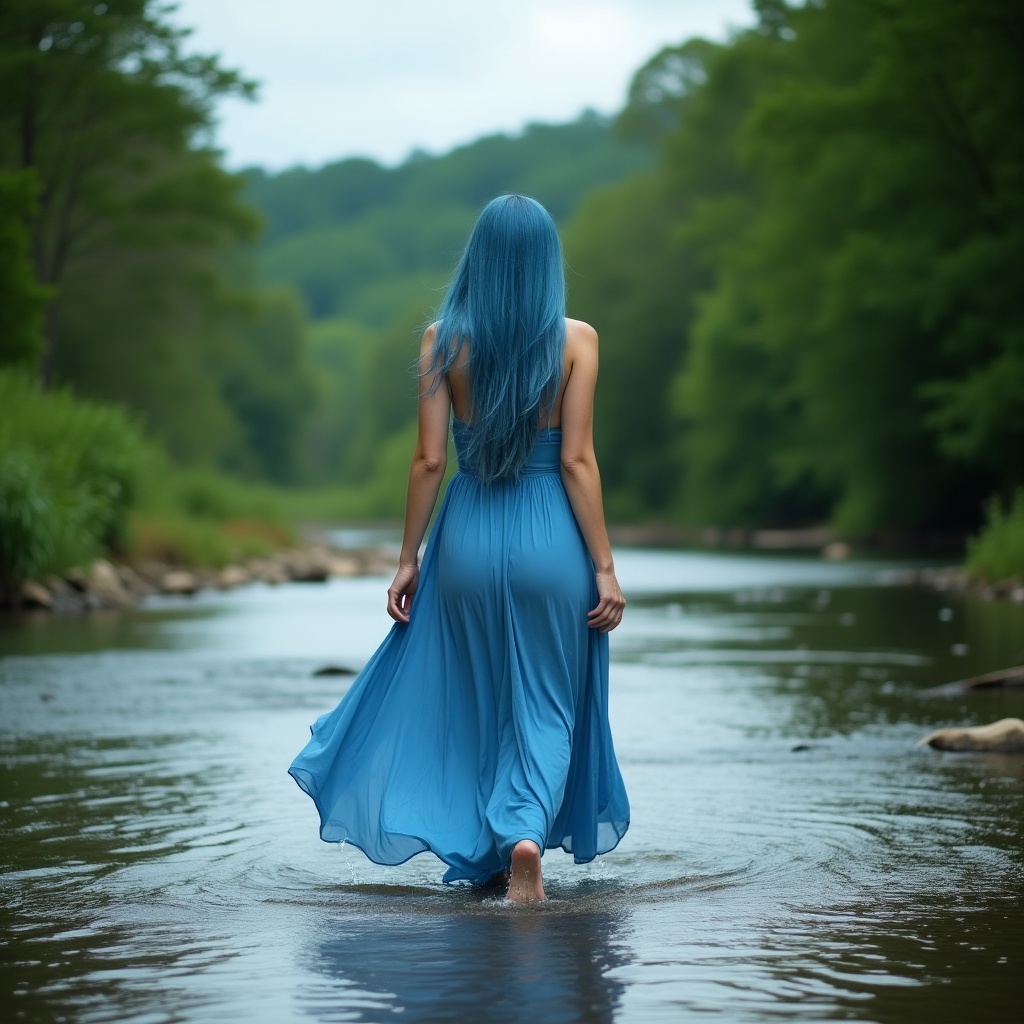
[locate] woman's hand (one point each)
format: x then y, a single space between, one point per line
401 591
608 613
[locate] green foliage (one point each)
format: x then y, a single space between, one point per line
627 278
337 350
268 387
201 517
997 553
198 493
809 307
829 244
138 230
369 243
659 91
70 471
21 299
732 400
28 530
176 539
862 257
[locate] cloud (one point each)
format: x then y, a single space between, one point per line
345 77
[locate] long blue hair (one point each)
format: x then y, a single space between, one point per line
507 302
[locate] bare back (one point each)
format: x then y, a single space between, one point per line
459 386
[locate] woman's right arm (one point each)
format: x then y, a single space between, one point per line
580 474
426 471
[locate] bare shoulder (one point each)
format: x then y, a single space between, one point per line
580 343
427 346
580 332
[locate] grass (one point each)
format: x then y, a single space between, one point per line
79 479
201 543
997 553
201 518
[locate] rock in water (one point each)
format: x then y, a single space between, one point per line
104 586
1004 737
179 582
232 576
1004 679
836 551
35 595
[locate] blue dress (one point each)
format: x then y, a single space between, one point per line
483 721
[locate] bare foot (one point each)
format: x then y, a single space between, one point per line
527 883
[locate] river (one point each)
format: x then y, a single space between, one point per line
792 855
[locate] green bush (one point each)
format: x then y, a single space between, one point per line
69 473
206 494
198 517
181 540
27 541
997 553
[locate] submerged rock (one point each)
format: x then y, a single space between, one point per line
1005 737
1004 679
334 670
836 551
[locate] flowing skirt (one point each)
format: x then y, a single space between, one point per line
483 721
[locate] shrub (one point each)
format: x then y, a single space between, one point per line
204 493
26 519
201 542
69 473
997 553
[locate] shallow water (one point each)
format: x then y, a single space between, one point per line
792 855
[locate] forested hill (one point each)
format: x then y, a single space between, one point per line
368 242
805 269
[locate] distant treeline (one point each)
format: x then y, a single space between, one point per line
810 304
370 249
801 248
365 242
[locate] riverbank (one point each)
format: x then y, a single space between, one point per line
112 583
106 584
957 580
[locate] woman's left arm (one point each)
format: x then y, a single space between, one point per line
429 461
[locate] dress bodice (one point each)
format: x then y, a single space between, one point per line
545 457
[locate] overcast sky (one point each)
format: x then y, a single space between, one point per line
380 78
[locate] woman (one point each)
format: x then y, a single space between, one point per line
479 728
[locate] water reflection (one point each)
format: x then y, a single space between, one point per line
468 962
949 960
792 854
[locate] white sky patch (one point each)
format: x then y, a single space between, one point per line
380 78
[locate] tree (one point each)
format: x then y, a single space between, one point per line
139 232
893 182
100 101
627 277
833 233
268 387
21 299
